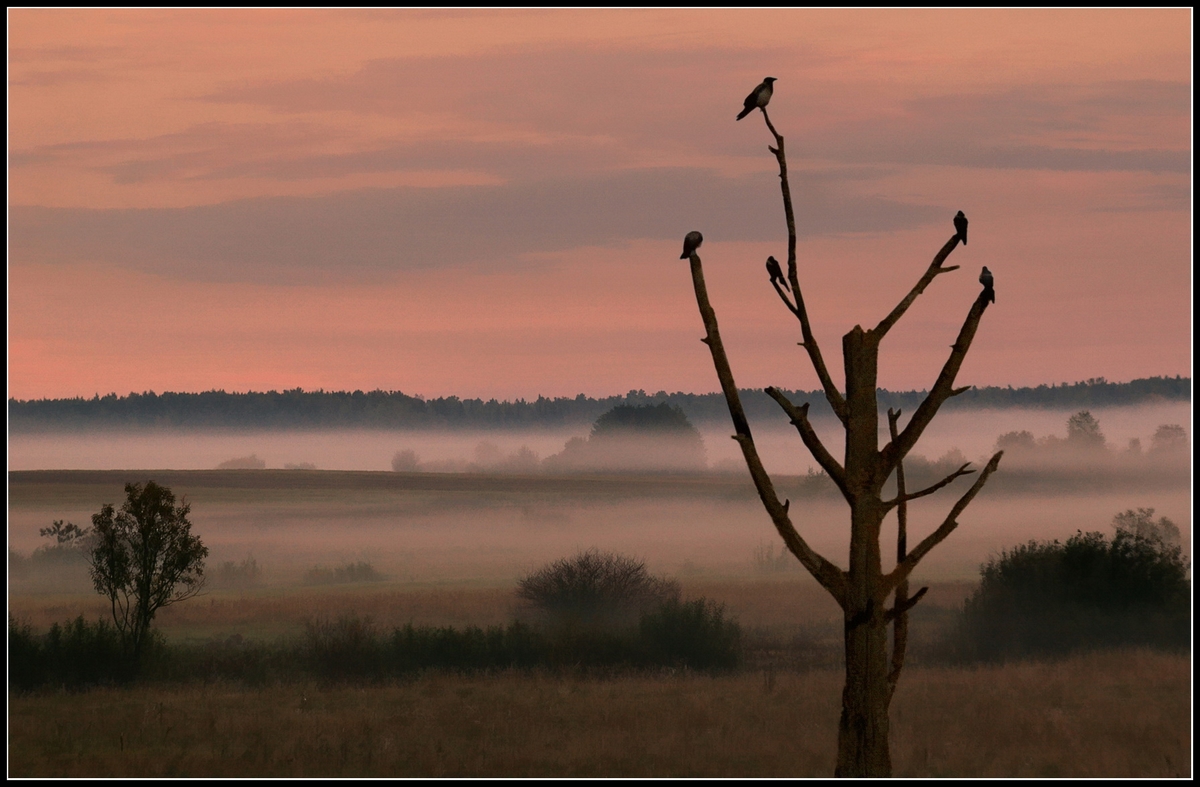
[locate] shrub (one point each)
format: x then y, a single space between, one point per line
361 571
1045 598
595 587
692 634
347 647
768 561
72 655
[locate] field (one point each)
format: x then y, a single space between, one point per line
449 549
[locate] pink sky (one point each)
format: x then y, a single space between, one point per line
493 203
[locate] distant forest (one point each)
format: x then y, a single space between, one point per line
299 409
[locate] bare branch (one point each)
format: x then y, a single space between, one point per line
901 497
934 270
900 630
906 566
799 418
942 390
836 400
902 607
787 301
829 575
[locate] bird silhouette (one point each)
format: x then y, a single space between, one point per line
987 280
758 97
691 242
960 226
776 272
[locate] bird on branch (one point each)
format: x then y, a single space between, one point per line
691 242
758 98
776 273
960 226
986 279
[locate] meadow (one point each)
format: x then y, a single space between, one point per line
446 550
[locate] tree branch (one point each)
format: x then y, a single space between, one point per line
901 497
900 610
836 400
825 572
942 390
799 418
783 296
906 566
902 607
934 270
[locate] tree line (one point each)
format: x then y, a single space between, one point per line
300 409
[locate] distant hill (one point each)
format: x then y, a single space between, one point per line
299 409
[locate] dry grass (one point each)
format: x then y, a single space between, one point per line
1114 714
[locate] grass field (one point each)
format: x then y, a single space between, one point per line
1104 715
450 549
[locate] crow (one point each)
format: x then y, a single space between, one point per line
776 272
960 225
758 98
986 279
691 242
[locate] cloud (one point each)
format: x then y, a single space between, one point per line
1112 126
370 234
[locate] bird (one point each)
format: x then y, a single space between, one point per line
758 98
691 242
960 224
987 280
776 272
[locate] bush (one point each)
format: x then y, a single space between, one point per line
1049 598
245 574
405 461
361 571
692 634
72 655
595 587
251 462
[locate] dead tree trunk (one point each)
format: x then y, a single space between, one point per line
863 589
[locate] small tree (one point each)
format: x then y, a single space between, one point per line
864 588
145 558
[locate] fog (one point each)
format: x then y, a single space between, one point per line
484 507
492 535
972 432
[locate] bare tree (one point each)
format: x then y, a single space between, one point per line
863 590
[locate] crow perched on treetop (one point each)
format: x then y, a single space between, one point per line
960 225
986 279
691 242
758 98
776 272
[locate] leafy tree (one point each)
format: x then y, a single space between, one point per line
1016 441
70 543
69 534
145 558
1141 524
405 461
1169 439
662 417
1083 431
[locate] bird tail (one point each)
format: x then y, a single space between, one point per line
744 112
683 256
990 294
